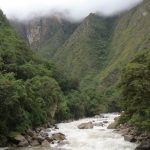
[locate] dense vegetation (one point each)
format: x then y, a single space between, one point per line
27 87
84 82
135 85
33 91
95 50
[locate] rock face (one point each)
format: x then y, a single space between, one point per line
88 125
41 30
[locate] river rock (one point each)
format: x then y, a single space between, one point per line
88 125
40 139
23 143
145 145
31 133
21 140
113 125
39 129
45 143
97 116
125 131
43 134
49 139
105 121
98 124
117 118
56 127
58 136
129 138
35 143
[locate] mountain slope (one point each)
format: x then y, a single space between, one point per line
131 34
96 50
45 34
84 53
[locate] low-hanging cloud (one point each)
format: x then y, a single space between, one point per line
73 9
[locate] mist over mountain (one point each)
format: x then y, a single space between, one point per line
70 9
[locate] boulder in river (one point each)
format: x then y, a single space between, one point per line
105 121
58 136
98 124
35 143
45 143
97 116
43 134
112 125
88 125
129 138
19 139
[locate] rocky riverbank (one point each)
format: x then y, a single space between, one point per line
41 136
132 134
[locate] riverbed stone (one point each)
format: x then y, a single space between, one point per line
58 136
145 145
35 143
105 121
98 124
129 138
113 125
88 125
23 143
45 143
43 134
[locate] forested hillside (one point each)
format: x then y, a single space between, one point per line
32 90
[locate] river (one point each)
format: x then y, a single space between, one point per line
98 138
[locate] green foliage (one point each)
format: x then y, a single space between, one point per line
135 84
30 87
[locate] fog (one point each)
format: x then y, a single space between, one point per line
72 9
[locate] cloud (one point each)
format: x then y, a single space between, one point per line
74 9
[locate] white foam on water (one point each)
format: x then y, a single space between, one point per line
98 138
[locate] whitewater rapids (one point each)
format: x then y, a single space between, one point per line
98 138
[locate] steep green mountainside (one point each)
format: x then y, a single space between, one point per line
79 48
131 34
85 52
95 50
45 34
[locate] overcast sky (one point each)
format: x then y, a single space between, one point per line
75 9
